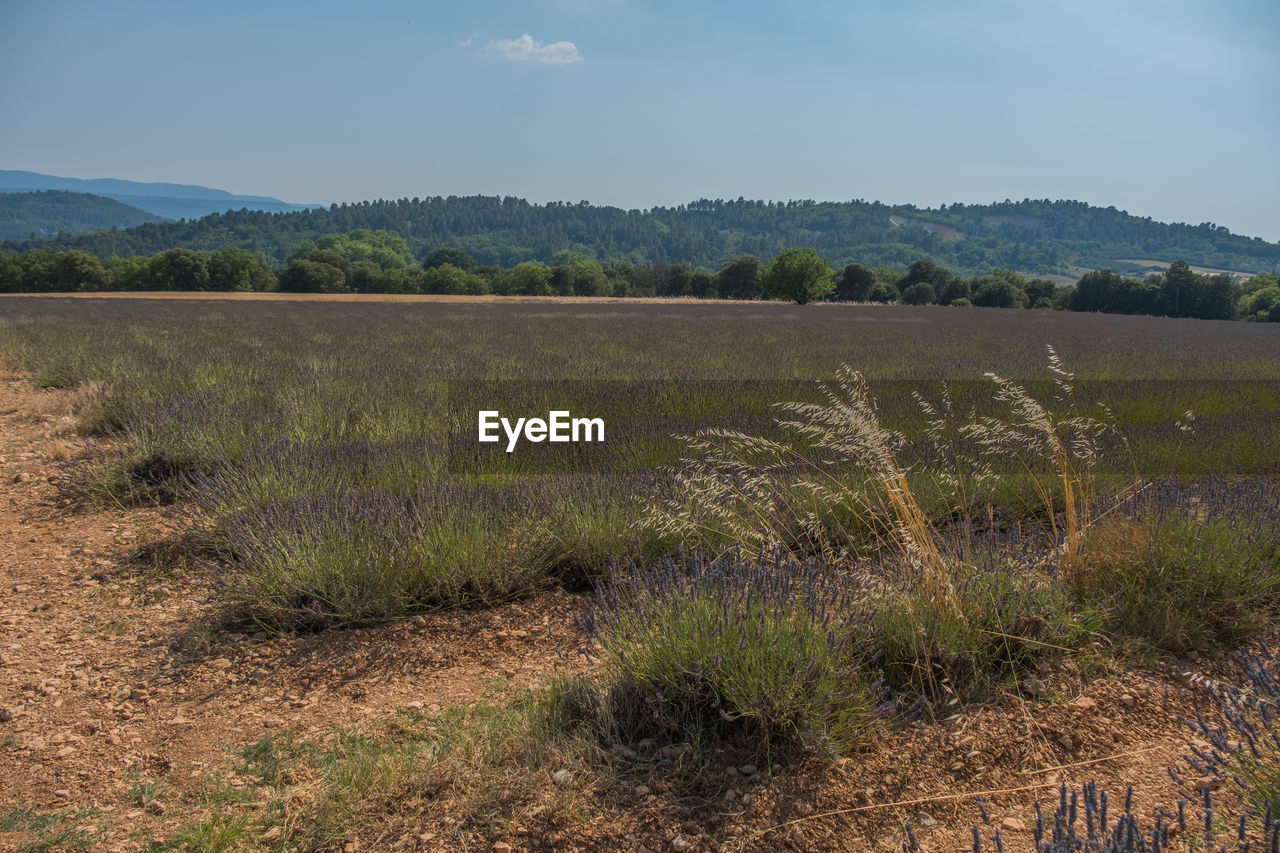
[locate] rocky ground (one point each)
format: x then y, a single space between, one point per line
124 690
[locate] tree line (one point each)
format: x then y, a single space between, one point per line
1041 236
365 261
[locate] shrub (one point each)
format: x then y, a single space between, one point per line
1186 567
768 647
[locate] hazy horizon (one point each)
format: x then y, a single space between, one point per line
1163 109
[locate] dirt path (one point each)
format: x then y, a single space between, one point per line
114 670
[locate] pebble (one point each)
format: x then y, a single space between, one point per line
501 847
1128 701
22 477
222 663
925 819
1066 742
747 769
562 778
1084 703
681 843
1013 824
1207 783
156 807
641 790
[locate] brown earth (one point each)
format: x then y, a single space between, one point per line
115 666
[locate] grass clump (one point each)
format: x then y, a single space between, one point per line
1007 614
699 649
1185 567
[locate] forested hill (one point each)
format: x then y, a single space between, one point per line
1032 236
52 212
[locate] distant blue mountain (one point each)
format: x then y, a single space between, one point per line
171 201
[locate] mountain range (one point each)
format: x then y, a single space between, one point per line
167 201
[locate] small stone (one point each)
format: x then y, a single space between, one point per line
1128 701
680 843
221 663
22 477
6 714
1084 703
747 769
1034 686
748 799
1066 742
1207 783
1193 655
415 706
925 819
156 807
1013 824
501 847
271 834
562 777
66 752
62 793
641 790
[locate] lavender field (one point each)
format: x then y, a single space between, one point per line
330 449
951 504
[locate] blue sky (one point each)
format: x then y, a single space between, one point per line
1168 109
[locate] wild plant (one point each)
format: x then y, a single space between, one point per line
842 472
1246 748
1085 821
1057 452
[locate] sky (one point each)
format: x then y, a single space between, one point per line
1165 108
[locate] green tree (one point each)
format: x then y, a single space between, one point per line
579 278
236 269
77 271
178 269
855 283
920 293
308 276
800 275
460 258
1262 305
447 278
10 275
995 291
740 278
531 279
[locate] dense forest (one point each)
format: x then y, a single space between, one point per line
1034 237
364 261
53 212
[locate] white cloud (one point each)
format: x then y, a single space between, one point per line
526 49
